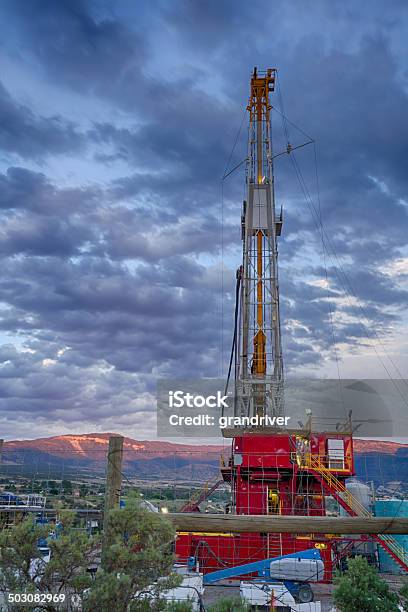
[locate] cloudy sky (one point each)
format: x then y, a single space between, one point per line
118 250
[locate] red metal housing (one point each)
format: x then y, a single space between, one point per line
272 474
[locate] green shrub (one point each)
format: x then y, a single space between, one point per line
360 588
229 604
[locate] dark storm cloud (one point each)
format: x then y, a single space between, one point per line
23 189
33 236
212 25
105 311
361 129
137 234
194 156
105 57
78 49
372 287
123 272
32 136
64 389
39 219
181 137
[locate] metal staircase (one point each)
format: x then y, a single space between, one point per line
353 507
193 505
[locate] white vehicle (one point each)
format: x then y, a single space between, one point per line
38 564
267 593
191 589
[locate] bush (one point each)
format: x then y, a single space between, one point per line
24 570
163 606
404 595
182 606
361 589
229 604
137 559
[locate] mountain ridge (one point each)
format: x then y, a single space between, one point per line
377 460
98 440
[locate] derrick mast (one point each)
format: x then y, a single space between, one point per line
270 470
259 372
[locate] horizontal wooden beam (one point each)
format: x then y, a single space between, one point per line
230 523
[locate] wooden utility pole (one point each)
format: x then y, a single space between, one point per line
113 474
113 483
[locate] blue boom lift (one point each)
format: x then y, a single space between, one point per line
295 571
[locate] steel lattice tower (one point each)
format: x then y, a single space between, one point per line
259 373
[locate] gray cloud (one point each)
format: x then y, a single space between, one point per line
32 136
88 53
125 270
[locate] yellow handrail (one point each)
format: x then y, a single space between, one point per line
313 462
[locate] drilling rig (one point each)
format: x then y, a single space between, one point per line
272 471
259 367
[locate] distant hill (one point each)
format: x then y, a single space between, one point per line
86 453
59 456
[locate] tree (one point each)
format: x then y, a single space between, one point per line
137 562
404 595
137 568
67 486
52 487
361 588
229 604
23 570
36 487
163 606
182 606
